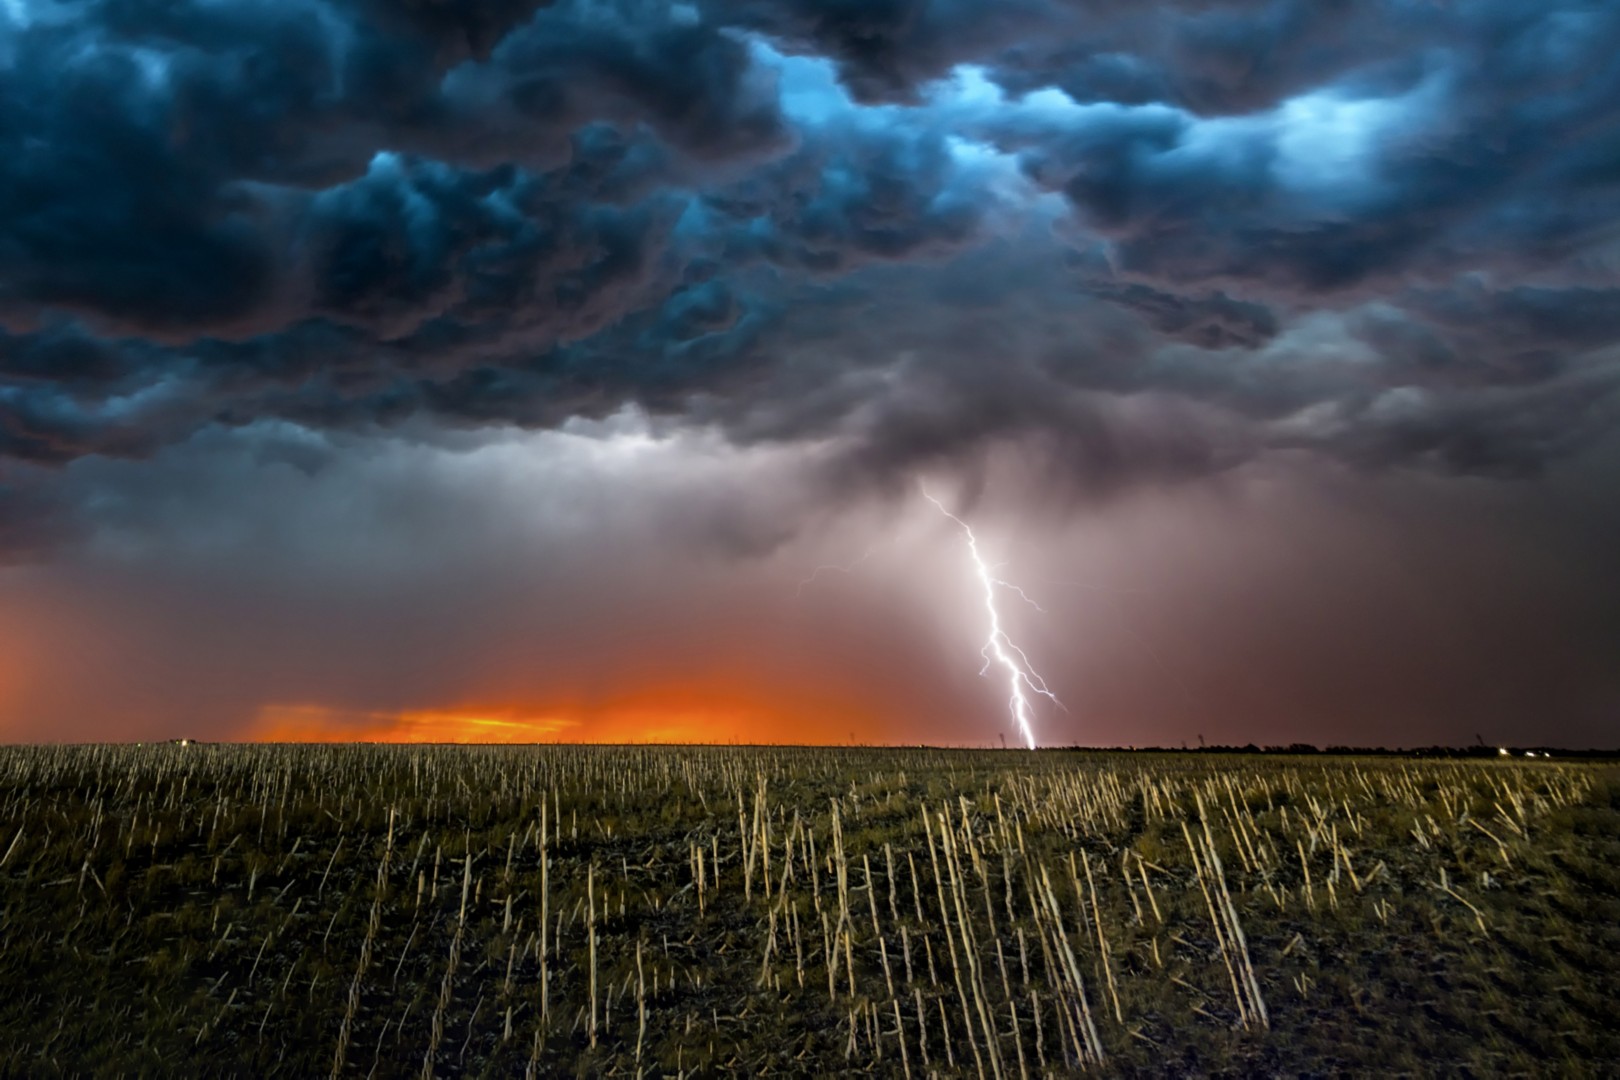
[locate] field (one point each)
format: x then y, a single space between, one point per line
390 911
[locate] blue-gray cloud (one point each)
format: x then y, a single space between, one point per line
917 229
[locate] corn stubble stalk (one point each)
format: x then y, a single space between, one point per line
641 1007
1102 940
346 1029
1228 930
950 940
1087 1045
590 929
447 986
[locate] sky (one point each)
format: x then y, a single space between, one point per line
581 371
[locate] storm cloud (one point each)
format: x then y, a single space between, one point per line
362 211
1094 253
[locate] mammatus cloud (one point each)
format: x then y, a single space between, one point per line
347 214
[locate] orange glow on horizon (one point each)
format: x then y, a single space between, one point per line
319 723
672 716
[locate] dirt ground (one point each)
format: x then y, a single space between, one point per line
391 911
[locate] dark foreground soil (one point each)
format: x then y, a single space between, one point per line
375 911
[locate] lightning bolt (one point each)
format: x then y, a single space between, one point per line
999 649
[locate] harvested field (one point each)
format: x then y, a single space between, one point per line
399 911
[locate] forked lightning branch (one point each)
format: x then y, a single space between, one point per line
999 650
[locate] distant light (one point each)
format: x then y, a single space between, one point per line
1502 750
1529 753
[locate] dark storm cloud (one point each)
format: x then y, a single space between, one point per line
850 196
1479 431
1215 321
1527 330
154 154
1498 155
885 49
1207 55
1222 57
60 353
1381 231
414 241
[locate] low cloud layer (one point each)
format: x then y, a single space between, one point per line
1103 255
